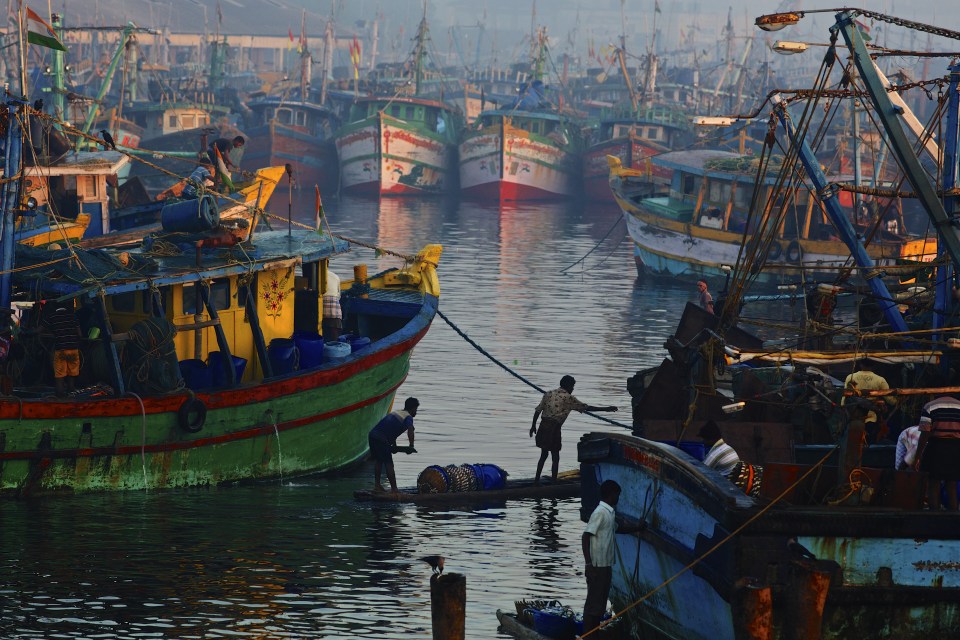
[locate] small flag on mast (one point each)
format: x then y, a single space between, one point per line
41 33
222 170
656 6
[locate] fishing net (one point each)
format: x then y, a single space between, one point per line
460 479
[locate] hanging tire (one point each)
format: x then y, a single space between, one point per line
192 414
794 252
775 251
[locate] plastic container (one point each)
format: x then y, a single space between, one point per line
310 346
692 448
190 216
334 351
359 343
196 374
215 365
492 477
550 622
283 355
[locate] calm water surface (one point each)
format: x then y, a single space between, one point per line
300 558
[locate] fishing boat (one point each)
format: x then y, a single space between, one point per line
530 150
815 532
400 144
634 141
703 226
290 130
202 358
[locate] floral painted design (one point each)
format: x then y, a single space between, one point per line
274 292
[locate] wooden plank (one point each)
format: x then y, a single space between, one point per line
515 490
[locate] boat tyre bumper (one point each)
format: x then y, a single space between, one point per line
192 414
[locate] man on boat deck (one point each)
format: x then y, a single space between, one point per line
62 325
555 406
864 379
720 456
704 299
939 449
225 146
332 313
202 176
384 436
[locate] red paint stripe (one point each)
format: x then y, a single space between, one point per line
199 442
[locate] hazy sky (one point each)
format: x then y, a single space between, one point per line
573 25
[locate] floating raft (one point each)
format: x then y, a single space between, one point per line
566 486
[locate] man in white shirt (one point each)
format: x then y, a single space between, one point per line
720 456
599 552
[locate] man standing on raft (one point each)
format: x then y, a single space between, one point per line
555 406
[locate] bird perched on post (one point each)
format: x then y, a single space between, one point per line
798 550
436 562
108 142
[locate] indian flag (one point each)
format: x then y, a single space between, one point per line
41 33
222 170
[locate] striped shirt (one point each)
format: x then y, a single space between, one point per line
906 452
941 418
557 405
602 527
63 325
722 457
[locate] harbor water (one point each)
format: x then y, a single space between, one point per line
300 558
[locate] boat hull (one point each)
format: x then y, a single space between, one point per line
313 160
384 156
666 246
501 162
696 574
305 422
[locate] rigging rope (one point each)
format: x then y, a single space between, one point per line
516 375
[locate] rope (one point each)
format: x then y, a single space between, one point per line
619 220
709 551
514 373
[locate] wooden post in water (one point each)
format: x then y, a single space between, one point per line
752 605
448 606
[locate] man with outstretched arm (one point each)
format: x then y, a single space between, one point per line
555 406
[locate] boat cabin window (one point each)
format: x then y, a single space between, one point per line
284 116
189 121
395 111
172 120
689 185
653 133
301 118
219 296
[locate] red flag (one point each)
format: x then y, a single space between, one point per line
290 33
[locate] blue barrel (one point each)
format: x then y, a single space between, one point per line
359 343
196 374
334 351
190 216
217 374
492 476
691 447
310 345
283 355
346 337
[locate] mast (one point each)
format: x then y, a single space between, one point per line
420 49
10 200
622 57
889 118
328 45
59 90
304 57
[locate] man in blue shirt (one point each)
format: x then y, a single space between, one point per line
384 436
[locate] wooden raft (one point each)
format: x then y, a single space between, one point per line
566 486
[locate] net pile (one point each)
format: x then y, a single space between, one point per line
459 479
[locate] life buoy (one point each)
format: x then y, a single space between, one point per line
192 414
775 251
794 251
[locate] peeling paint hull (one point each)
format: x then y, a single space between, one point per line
890 573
